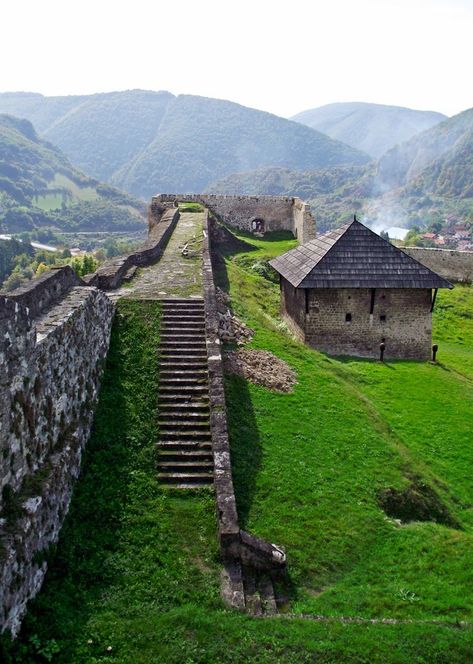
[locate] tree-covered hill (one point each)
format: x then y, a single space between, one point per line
444 142
373 128
146 142
427 180
39 187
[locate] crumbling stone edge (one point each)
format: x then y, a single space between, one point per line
239 549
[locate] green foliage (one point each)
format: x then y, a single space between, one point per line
39 187
145 142
373 128
11 253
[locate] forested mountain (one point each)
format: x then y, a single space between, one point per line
38 186
445 143
420 182
373 128
147 142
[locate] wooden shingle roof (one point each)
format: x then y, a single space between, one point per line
353 256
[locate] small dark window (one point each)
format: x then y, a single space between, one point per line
347 318
382 318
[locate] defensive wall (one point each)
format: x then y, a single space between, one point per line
54 338
448 263
247 212
51 357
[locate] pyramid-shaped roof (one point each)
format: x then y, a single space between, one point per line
353 256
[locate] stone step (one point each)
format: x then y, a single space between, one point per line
171 407
183 382
180 338
178 301
167 424
186 454
193 363
186 416
179 389
183 444
191 399
169 353
170 360
186 478
197 436
184 373
180 325
185 466
183 316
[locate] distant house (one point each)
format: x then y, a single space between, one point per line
349 290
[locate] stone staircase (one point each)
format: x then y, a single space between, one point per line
185 446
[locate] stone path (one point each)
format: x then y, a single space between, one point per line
174 275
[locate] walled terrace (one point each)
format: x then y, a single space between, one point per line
54 338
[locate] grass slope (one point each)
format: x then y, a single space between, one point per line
38 187
136 575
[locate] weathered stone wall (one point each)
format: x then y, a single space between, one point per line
277 212
50 373
293 307
406 328
161 223
450 264
45 290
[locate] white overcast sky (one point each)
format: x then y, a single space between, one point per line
282 57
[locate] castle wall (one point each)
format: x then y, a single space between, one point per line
406 329
448 263
277 212
51 367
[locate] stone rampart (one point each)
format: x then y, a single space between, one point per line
111 274
449 263
239 549
43 291
247 212
51 363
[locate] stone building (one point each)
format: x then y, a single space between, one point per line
256 214
349 290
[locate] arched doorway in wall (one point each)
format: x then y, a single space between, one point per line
258 226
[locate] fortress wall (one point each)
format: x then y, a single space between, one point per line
449 263
278 212
45 290
51 367
161 223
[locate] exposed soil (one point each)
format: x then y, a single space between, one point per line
417 502
261 368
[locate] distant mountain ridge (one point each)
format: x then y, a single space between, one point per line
39 186
147 142
372 128
422 180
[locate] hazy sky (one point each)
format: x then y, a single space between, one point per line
282 57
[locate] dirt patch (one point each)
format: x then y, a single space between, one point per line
417 502
261 368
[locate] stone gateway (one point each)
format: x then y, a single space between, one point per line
349 290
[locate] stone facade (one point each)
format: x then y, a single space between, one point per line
51 364
449 263
338 320
268 213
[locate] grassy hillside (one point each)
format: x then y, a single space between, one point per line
372 128
147 141
38 186
136 574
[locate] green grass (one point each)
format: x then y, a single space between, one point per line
137 568
308 466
